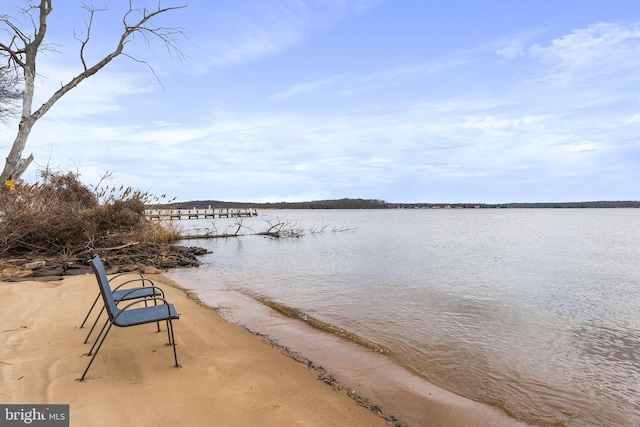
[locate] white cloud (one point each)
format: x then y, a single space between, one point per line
601 48
582 146
512 51
351 85
101 93
255 42
268 28
305 87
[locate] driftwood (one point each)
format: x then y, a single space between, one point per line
135 256
115 248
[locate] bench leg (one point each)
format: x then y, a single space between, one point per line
101 339
90 310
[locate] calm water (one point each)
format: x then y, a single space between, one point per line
532 311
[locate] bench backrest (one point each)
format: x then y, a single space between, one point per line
105 289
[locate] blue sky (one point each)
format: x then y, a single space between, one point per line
400 100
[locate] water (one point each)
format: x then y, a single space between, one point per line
533 311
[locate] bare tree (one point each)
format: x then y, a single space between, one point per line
22 48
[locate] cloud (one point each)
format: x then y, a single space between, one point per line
306 87
351 84
265 28
512 51
254 43
599 49
105 92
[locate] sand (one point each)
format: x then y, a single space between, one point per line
228 376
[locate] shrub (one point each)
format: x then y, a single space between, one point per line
61 215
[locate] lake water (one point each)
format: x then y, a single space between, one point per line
533 311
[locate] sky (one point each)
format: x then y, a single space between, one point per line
492 101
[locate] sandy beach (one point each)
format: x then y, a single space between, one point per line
228 376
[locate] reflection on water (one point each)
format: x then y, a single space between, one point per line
532 311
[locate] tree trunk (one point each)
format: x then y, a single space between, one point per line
15 166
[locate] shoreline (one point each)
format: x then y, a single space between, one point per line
230 374
227 376
370 376
321 373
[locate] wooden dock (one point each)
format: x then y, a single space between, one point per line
161 214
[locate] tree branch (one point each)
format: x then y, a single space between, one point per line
118 50
85 41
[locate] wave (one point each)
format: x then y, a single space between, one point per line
323 326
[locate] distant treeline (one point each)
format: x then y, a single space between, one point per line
318 204
561 205
381 204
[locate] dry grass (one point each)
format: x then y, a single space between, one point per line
156 232
62 216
